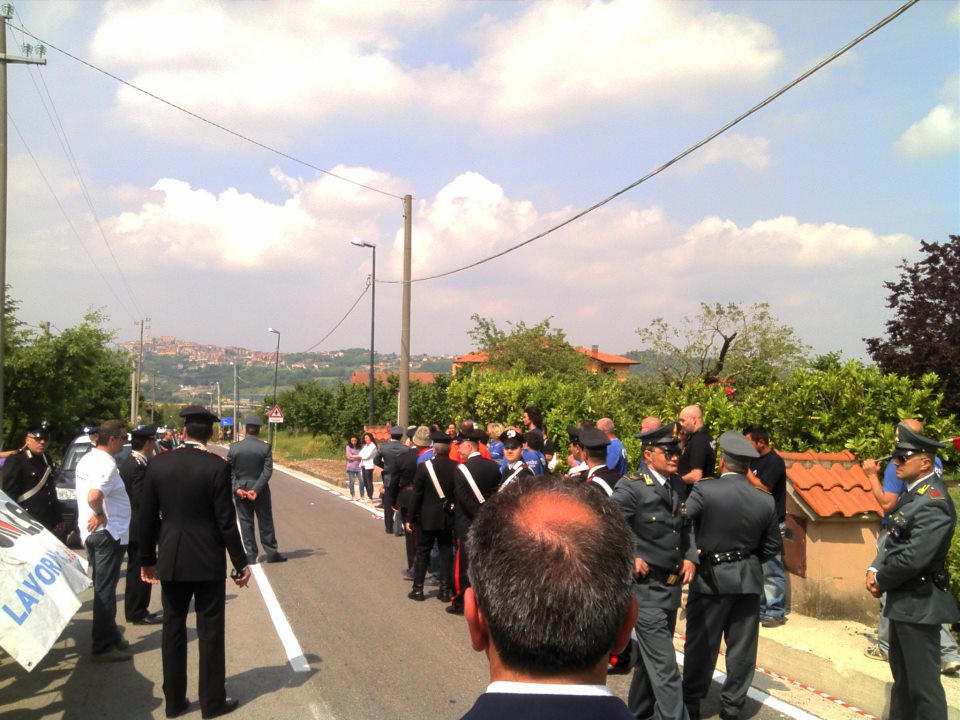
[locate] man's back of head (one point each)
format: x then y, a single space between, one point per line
551 567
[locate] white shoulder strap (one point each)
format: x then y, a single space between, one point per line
433 476
602 483
472 482
513 476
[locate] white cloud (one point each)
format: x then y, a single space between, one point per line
292 65
939 132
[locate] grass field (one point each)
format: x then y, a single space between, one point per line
292 446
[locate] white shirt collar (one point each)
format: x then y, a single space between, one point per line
532 688
912 485
660 478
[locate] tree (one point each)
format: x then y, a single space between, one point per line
533 349
924 334
69 379
725 343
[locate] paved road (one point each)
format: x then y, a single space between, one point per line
366 652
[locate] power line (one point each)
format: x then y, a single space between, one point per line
693 148
201 118
67 218
341 319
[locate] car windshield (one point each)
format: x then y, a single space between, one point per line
77 450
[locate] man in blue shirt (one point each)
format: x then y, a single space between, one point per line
616 452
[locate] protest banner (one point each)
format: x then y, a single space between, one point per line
40 581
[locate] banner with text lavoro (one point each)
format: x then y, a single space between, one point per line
40 581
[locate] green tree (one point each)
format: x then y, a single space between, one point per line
743 346
532 349
70 379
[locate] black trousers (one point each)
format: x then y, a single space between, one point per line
388 501
736 618
136 597
444 541
210 606
409 539
262 507
915 663
461 579
656 685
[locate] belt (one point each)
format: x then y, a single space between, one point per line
728 556
662 576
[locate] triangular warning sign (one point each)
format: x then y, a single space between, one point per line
275 413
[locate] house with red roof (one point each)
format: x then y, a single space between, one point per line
597 362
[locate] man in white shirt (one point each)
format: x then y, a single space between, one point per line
103 516
558 551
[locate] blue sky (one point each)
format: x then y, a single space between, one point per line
500 119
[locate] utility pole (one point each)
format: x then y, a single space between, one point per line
236 398
219 410
135 411
6 12
403 405
153 395
134 390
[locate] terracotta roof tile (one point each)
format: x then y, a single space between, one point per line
608 358
831 484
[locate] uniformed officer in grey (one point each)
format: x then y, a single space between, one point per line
735 530
251 465
910 568
651 501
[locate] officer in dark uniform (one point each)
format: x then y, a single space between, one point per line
136 596
736 530
910 568
386 458
477 479
190 487
513 467
598 474
251 465
28 478
577 465
651 501
431 511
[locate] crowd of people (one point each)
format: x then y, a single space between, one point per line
707 514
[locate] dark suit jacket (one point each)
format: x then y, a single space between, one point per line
132 472
486 474
251 463
921 526
606 475
728 513
426 508
21 473
191 488
513 706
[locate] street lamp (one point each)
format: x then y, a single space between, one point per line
276 366
373 312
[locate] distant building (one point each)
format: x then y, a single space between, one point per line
597 361
362 377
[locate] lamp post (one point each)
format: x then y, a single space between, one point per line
373 313
276 366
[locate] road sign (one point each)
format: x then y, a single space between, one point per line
275 415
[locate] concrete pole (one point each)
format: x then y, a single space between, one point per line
4 59
403 404
236 400
373 317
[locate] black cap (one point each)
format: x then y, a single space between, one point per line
573 432
144 431
255 420
734 443
39 429
593 438
90 429
475 435
666 436
396 431
198 414
907 440
439 436
511 438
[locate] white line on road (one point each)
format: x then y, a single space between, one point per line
762 697
290 644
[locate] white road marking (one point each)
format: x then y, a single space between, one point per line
762 697
290 644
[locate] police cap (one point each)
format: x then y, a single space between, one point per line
573 432
396 431
144 431
439 436
735 445
253 420
907 440
511 438
198 414
475 435
40 429
593 438
666 436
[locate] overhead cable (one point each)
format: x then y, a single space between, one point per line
677 158
212 123
355 302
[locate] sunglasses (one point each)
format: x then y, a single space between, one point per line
668 452
900 459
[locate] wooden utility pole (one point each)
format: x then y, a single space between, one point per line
403 406
6 12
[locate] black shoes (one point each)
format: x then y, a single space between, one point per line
228 706
455 609
416 593
179 709
150 619
276 558
444 595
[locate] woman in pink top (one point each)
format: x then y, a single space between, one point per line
353 464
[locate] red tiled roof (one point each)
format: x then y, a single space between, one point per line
609 359
477 357
362 377
830 484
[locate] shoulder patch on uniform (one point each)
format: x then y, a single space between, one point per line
922 490
935 494
639 475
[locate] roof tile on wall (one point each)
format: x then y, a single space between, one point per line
831 484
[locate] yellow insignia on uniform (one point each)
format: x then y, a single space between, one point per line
896 435
923 490
676 432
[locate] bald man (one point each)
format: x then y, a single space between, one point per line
699 454
616 452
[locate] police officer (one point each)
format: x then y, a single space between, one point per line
431 512
136 596
736 531
575 460
910 568
28 478
251 465
513 467
598 475
651 501
386 458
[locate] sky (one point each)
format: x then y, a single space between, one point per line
501 119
